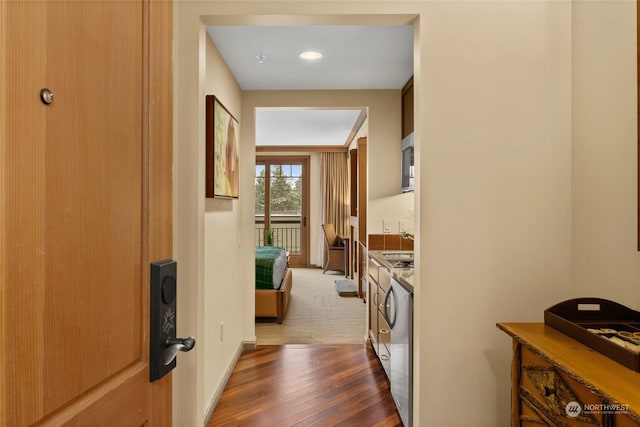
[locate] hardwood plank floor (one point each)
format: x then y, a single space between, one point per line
307 385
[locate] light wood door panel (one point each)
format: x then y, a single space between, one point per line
77 234
93 194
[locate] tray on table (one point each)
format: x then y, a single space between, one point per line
579 317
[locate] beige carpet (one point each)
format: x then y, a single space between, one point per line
317 314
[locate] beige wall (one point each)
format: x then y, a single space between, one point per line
499 184
207 239
188 208
225 265
606 261
493 194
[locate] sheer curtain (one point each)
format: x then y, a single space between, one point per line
335 192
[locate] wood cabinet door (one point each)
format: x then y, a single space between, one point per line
85 206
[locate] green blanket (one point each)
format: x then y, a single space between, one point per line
265 257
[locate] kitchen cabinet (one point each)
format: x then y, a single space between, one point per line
379 329
391 327
384 343
407 108
379 282
373 295
384 330
557 381
358 217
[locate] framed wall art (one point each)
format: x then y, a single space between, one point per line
222 151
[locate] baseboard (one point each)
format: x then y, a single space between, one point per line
216 396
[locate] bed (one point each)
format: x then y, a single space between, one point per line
273 282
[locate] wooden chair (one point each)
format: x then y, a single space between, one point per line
335 249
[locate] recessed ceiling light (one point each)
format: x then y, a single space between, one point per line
310 54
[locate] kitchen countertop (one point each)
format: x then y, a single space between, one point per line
404 275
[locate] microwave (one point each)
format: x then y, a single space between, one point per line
407 168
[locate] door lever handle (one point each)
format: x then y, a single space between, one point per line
174 345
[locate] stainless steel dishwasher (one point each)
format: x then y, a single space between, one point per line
398 311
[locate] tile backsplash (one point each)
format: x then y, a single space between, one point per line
394 242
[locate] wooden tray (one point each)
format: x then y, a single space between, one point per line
574 317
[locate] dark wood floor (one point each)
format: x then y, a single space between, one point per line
307 385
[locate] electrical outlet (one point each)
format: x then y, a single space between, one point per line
405 225
386 226
221 331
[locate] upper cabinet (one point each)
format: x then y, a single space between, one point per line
406 145
407 108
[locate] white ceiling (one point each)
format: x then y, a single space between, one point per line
354 57
292 127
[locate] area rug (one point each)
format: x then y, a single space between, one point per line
346 288
317 314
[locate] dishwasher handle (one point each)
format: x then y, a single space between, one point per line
389 300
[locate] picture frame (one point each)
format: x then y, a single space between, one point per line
222 151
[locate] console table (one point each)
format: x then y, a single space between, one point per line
558 381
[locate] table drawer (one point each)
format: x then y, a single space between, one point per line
529 416
624 421
549 394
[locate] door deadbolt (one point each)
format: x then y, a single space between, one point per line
46 96
164 346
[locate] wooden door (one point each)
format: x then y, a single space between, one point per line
85 206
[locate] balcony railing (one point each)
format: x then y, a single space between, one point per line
285 231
